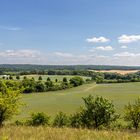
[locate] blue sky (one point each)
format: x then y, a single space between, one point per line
70 32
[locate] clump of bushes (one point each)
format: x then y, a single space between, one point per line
38 118
61 120
96 113
132 114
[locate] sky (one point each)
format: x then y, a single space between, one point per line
70 32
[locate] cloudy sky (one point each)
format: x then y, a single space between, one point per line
70 32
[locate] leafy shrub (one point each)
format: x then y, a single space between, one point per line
40 78
75 120
9 105
38 118
132 113
76 81
60 120
97 112
17 122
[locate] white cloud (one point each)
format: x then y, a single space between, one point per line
97 40
128 38
104 48
126 54
61 54
101 48
124 47
20 53
9 28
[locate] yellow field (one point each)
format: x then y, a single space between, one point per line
123 72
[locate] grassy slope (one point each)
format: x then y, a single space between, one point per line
44 133
69 100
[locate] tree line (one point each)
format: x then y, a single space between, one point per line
30 85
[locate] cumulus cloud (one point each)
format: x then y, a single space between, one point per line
126 54
97 40
102 48
20 53
61 54
124 47
128 38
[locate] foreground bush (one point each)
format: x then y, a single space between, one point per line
9 103
39 118
97 112
76 120
61 120
132 113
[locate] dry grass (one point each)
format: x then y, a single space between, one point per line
123 72
47 133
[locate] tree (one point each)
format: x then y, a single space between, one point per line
56 80
132 113
65 79
40 87
10 77
76 81
9 104
48 79
39 78
98 111
18 77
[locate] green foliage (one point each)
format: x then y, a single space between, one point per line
28 85
75 120
97 112
38 118
10 77
18 77
60 120
65 79
48 79
76 81
39 86
132 113
56 80
9 104
40 78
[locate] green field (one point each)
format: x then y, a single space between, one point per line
69 100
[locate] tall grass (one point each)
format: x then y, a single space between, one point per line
48 133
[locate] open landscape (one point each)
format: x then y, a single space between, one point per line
70 100
69 70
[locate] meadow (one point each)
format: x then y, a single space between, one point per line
47 133
70 100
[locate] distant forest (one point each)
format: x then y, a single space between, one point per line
28 67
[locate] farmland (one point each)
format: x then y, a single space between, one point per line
69 100
123 72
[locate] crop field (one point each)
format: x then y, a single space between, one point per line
70 100
123 72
